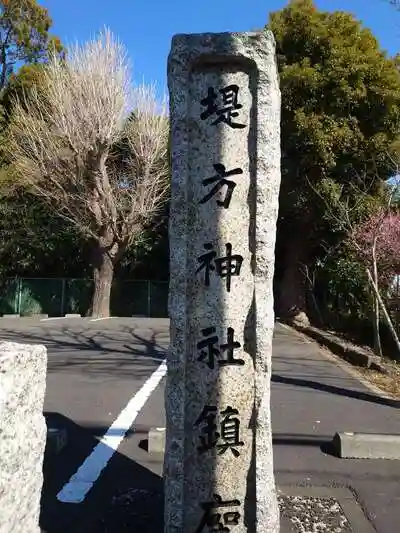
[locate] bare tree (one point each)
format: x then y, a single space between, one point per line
95 147
377 244
343 214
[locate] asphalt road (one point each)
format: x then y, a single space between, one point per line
98 369
95 368
312 398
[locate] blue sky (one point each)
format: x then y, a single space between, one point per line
146 26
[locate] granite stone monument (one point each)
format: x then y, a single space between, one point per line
225 134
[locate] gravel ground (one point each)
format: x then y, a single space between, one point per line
136 510
141 510
314 515
389 383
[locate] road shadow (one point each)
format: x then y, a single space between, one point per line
124 352
315 385
323 442
127 496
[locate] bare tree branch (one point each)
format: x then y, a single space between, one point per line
344 215
62 142
95 148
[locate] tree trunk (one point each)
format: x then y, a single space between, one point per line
376 317
311 289
103 273
376 327
292 293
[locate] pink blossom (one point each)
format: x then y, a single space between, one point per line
386 230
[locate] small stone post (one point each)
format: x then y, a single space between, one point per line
225 120
22 435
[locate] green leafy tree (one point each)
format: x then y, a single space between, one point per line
28 230
25 42
35 242
24 35
19 87
340 118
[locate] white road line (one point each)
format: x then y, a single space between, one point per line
101 318
83 480
53 318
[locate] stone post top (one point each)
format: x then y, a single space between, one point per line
9 350
225 43
7 346
259 34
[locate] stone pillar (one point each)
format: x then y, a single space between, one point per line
22 435
225 120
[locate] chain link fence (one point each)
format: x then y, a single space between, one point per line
59 296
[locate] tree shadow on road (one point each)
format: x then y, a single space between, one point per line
126 497
315 385
124 352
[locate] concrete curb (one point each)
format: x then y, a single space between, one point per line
346 445
156 441
349 445
56 440
33 315
41 315
350 352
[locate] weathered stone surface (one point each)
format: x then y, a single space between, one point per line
301 319
212 133
22 435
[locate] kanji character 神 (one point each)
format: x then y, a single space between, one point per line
225 267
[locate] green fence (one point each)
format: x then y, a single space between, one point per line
59 296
